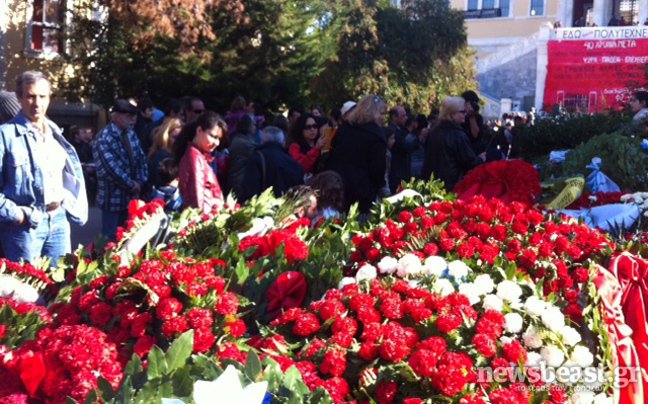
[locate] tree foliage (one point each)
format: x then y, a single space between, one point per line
277 52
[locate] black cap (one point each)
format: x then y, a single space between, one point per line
124 107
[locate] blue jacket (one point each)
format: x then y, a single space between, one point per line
21 177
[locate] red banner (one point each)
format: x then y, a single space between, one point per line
590 76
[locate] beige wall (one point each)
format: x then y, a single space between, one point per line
488 34
17 59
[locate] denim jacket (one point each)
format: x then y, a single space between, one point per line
21 177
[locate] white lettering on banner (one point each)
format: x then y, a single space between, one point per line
610 59
590 60
636 59
570 34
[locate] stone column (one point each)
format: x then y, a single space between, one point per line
566 13
602 12
541 67
643 12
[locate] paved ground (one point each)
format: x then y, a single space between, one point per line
86 234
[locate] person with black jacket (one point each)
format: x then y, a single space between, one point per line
359 152
271 166
448 154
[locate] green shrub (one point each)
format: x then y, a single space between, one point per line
562 132
623 161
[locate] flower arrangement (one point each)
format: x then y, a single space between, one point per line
507 180
590 200
20 321
61 362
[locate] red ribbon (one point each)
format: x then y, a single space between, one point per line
624 342
32 372
287 292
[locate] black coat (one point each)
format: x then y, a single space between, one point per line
282 172
359 155
448 154
401 157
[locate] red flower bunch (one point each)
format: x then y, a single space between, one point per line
351 332
27 273
507 180
481 229
294 248
137 210
62 362
154 302
590 200
26 308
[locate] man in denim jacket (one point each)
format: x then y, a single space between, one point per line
41 181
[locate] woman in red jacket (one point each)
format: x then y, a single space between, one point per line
198 185
307 142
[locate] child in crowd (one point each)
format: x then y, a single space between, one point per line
168 191
330 190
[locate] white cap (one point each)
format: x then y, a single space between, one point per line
347 107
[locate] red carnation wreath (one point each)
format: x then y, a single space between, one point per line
507 180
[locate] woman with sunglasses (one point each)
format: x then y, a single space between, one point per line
307 142
448 154
198 184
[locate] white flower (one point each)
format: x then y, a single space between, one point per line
553 319
443 287
535 306
458 269
570 336
485 284
533 359
11 287
582 356
509 291
625 197
346 281
471 291
366 272
409 264
434 265
414 284
514 323
505 340
387 265
603 399
552 355
492 302
583 397
532 337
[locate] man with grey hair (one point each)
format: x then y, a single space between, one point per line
41 180
271 166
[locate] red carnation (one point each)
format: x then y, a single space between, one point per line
338 388
227 305
168 308
446 323
144 345
101 313
447 244
236 328
386 392
176 325
204 339
485 345
331 309
369 351
306 324
423 362
334 362
514 352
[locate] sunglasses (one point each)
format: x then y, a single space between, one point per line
462 111
309 127
198 111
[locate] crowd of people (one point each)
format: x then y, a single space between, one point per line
191 157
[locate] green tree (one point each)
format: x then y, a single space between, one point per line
416 55
268 54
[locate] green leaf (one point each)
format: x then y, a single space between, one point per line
320 396
105 389
91 397
157 365
182 383
242 271
70 400
134 366
180 351
253 366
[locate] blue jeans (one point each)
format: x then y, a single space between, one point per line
50 239
110 221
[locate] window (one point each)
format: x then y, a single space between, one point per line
495 8
537 7
44 31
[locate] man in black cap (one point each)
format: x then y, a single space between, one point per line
121 167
